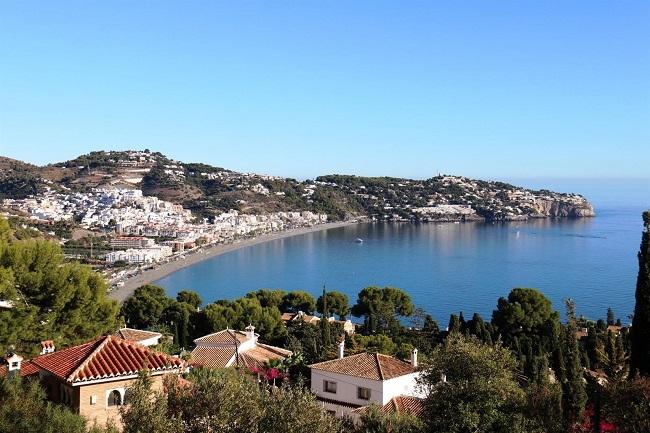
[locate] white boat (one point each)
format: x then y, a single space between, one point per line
358 240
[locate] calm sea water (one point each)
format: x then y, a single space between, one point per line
448 267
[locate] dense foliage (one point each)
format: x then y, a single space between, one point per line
50 298
640 362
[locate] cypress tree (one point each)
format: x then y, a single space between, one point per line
574 390
640 356
325 326
454 324
610 316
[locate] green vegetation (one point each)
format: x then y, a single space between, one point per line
23 408
473 384
640 362
381 308
224 402
51 299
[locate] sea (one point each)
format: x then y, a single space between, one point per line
450 268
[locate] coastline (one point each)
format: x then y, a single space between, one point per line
208 252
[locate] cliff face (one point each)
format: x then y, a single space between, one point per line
558 208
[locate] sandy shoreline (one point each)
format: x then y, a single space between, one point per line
160 271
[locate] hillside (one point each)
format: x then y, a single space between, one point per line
209 190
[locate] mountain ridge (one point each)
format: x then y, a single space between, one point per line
208 190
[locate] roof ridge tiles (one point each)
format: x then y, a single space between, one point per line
87 359
381 372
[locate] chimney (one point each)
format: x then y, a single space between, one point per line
14 363
341 347
250 332
414 358
47 346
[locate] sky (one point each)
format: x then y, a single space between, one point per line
492 89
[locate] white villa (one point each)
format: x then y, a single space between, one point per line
346 384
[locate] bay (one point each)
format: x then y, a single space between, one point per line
444 267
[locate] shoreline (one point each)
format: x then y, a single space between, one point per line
208 252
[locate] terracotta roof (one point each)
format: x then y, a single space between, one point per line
288 316
260 355
373 366
212 357
105 357
402 404
137 334
218 351
227 336
614 329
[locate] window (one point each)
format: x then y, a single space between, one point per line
14 364
363 393
114 398
329 386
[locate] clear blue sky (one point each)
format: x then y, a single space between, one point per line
495 89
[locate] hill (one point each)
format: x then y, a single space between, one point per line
209 190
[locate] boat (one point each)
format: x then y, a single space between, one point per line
358 240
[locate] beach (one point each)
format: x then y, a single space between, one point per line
207 252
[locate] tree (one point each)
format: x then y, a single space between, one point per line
268 297
372 420
573 387
298 300
454 324
245 311
375 343
471 387
53 299
337 303
226 401
145 307
147 409
525 312
380 307
189 297
640 356
627 405
176 317
611 319
23 408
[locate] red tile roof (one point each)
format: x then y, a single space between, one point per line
105 357
373 366
27 368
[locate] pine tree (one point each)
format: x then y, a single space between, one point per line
640 356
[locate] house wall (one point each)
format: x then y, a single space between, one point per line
381 392
402 385
346 389
99 412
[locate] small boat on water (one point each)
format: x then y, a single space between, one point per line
358 240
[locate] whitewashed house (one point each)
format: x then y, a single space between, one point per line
349 383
